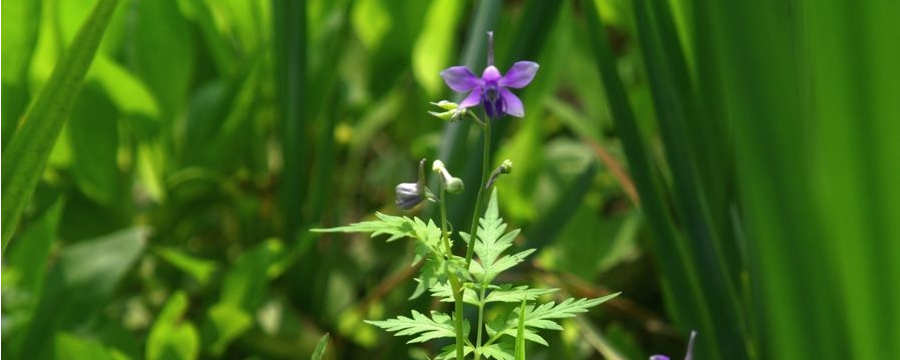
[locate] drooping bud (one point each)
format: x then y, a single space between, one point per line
411 194
453 111
453 185
504 168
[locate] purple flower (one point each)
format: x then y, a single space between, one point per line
491 90
690 350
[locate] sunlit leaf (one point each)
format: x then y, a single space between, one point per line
172 337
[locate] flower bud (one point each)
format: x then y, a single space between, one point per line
446 105
453 185
453 111
504 168
408 195
411 194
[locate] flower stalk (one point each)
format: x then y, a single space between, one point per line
455 285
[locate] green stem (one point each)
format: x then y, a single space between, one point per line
480 322
454 281
486 160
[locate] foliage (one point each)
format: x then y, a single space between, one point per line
479 290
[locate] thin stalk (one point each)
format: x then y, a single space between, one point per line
480 322
486 159
454 282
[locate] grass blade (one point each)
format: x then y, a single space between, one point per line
677 114
320 348
290 45
30 147
679 276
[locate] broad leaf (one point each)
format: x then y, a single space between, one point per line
78 287
440 325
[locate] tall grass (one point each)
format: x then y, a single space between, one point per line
779 123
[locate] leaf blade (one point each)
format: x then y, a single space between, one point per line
30 147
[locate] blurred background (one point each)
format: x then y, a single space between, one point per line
731 167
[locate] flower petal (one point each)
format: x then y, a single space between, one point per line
473 99
659 357
519 75
490 74
513 105
460 78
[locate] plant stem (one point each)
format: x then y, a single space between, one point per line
480 322
486 159
454 282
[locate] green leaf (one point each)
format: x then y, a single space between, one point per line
93 137
520 333
30 147
200 269
245 284
435 43
29 257
445 293
227 322
440 325
320 348
546 315
19 41
79 286
19 38
371 22
492 242
495 351
510 294
172 337
167 73
504 293
72 347
397 227
429 276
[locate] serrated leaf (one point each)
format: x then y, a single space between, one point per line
510 294
491 243
397 227
429 276
445 293
440 325
495 351
546 315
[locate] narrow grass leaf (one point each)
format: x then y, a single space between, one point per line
29 149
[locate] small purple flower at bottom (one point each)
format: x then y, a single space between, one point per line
491 90
690 350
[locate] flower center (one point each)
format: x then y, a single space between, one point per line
490 92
